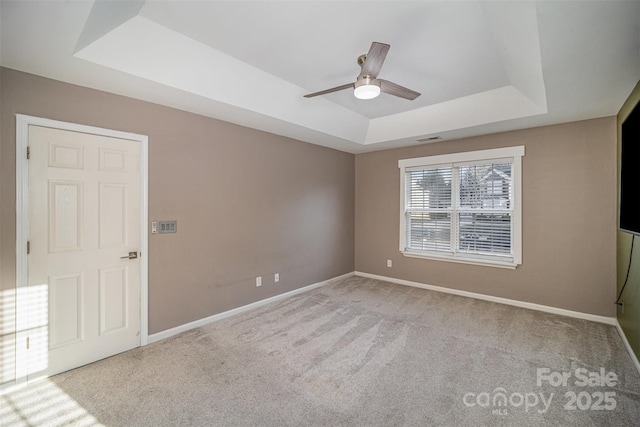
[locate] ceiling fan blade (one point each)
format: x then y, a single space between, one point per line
375 59
333 89
395 89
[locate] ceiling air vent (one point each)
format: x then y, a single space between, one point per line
430 139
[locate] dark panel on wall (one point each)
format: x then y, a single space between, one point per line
628 263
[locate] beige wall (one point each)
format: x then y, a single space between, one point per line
248 203
569 219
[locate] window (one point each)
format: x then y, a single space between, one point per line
463 207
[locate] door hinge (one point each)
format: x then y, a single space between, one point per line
28 152
28 247
27 343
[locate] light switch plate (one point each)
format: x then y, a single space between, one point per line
168 226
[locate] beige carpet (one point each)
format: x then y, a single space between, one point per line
357 352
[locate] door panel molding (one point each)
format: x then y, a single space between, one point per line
23 122
60 228
109 290
62 289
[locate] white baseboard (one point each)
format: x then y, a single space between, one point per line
529 305
634 358
202 322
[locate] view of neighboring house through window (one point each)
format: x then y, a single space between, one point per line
463 207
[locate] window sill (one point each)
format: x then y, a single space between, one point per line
461 260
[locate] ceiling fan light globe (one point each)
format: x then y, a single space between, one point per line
367 91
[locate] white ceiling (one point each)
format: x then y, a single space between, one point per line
481 66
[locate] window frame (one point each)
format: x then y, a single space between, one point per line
512 155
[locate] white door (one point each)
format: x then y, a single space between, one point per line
84 222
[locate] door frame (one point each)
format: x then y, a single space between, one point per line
22 226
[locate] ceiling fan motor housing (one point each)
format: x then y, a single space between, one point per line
366 81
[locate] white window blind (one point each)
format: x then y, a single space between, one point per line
465 209
429 209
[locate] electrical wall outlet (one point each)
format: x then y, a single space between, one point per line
258 281
389 263
276 277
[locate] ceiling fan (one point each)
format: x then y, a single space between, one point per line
368 85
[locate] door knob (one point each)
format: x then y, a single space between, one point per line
132 255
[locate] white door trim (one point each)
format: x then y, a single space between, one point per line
22 224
